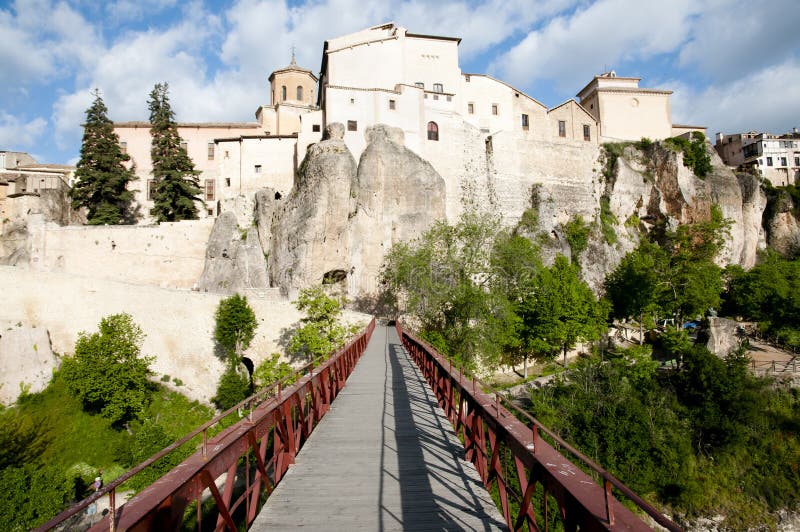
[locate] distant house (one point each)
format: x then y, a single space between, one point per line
776 157
20 175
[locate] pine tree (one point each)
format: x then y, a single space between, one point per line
176 186
102 178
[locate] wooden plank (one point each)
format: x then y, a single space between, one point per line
384 458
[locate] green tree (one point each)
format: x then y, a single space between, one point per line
561 311
635 285
235 326
321 332
271 370
107 374
102 178
233 388
176 185
444 279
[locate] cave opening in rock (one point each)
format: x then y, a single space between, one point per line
334 276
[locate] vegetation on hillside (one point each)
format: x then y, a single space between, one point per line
695 156
99 416
235 327
176 187
102 179
321 332
705 438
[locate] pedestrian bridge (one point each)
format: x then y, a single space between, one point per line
385 435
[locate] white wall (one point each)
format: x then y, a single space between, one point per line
167 255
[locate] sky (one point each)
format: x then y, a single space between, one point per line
734 65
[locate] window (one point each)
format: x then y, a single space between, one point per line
352 100
299 93
449 98
769 161
227 181
227 154
352 125
433 131
783 161
797 161
210 151
283 93
471 108
562 128
315 128
209 190
419 84
437 87
525 122
151 189
392 105
494 108
587 133
466 77
435 96
258 168
123 147
184 146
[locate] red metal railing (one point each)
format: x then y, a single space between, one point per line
255 453
516 464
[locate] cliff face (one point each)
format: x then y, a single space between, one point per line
341 217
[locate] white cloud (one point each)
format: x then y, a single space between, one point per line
571 49
732 36
41 40
17 134
763 101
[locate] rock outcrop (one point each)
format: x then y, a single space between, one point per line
310 235
340 219
234 258
398 196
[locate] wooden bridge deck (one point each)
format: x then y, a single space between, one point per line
384 458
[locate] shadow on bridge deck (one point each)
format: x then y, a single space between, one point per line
384 458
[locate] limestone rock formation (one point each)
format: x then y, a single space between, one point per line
234 258
783 227
399 196
310 234
27 361
267 202
720 336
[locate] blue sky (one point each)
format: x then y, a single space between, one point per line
734 64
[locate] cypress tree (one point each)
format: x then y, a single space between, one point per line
176 186
102 178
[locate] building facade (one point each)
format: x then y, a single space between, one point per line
775 157
386 74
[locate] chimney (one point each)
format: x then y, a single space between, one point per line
720 136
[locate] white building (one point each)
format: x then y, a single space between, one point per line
776 157
386 74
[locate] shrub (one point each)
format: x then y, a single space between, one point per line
233 388
235 326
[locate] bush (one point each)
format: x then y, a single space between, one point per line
233 388
694 152
271 370
577 232
106 373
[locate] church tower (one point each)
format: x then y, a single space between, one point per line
293 85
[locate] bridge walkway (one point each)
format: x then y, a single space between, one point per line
384 458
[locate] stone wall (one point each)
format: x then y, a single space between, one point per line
178 324
167 255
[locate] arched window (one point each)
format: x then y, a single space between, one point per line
299 93
433 131
283 93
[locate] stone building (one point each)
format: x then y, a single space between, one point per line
21 175
388 75
626 111
775 157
